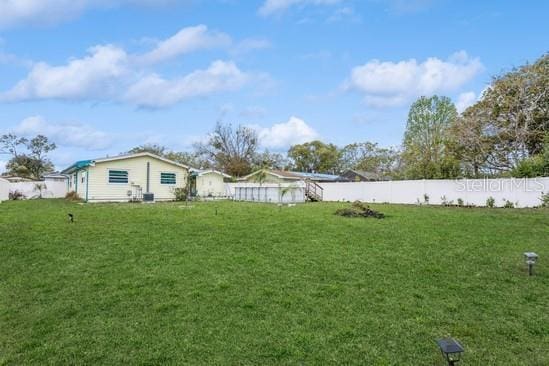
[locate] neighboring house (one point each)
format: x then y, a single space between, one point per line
360 176
16 179
208 183
4 190
284 176
132 177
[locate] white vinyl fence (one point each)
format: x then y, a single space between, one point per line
4 190
522 192
267 192
51 189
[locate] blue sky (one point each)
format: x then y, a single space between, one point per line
102 76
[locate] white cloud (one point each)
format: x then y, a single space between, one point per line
92 76
65 134
465 100
250 44
395 83
283 135
271 7
47 12
342 14
109 73
187 40
153 91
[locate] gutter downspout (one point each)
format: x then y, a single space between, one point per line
87 182
148 176
76 182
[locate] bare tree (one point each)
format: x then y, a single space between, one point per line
9 144
231 150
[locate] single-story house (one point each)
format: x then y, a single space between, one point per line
353 175
4 190
133 177
285 176
208 183
55 177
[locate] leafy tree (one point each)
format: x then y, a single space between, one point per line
33 163
269 160
39 146
190 159
534 166
427 146
516 111
229 149
315 156
471 143
368 156
28 166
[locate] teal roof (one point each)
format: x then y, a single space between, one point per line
77 166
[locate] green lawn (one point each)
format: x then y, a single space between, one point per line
256 284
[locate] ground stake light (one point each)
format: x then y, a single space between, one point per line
451 350
531 259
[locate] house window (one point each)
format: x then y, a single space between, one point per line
118 176
167 178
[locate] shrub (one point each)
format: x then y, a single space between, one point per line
40 188
490 202
508 204
16 195
359 209
72 196
460 202
181 193
530 167
544 200
426 198
445 202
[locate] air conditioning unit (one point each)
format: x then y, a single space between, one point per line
148 197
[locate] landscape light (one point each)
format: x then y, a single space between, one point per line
451 350
531 259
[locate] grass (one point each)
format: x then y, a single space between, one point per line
258 284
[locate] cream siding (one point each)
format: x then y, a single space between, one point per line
210 185
99 188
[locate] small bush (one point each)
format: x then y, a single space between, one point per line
460 202
508 204
16 195
359 209
181 193
72 196
490 202
426 198
544 200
